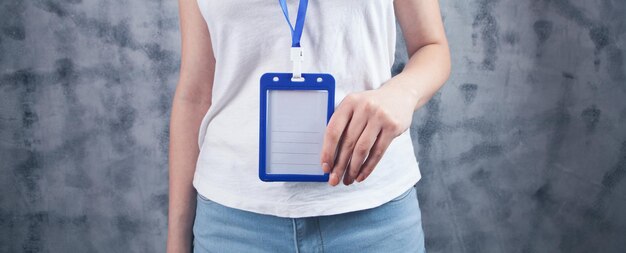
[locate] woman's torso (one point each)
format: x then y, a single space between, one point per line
354 40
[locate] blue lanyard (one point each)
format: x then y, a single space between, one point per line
296 33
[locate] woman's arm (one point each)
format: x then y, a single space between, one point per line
428 67
191 101
365 123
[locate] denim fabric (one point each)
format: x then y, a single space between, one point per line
395 226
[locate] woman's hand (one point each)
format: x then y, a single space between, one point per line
361 129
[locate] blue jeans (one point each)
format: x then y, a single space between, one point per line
395 226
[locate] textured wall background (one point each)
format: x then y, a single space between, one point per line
523 150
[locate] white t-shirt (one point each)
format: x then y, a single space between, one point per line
354 40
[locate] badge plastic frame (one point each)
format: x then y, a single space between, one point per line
284 82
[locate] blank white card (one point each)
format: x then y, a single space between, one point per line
296 121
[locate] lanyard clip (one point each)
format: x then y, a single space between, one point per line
296 59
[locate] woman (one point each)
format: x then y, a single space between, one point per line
217 202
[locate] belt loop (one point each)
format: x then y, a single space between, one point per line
295 235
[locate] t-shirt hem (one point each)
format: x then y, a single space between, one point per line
372 199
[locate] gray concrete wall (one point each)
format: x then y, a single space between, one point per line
523 150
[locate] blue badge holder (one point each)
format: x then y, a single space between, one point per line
279 158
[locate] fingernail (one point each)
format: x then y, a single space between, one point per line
331 179
325 167
359 179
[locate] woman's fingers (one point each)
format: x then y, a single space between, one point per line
376 153
356 138
348 141
361 150
336 126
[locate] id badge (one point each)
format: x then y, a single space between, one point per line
293 120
